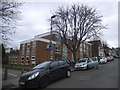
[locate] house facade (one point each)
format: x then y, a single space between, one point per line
97 48
48 46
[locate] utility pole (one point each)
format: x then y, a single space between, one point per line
6 73
50 44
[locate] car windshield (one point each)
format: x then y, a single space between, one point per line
42 65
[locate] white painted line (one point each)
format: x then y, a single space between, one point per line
11 74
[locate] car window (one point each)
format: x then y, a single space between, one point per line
54 64
94 59
61 62
42 65
90 60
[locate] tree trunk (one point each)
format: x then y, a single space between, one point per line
74 56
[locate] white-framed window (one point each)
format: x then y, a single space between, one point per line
27 60
33 62
34 44
23 48
57 49
33 58
13 59
16 60
28 47
22 60
65 50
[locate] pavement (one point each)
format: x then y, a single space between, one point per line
12 78
13 83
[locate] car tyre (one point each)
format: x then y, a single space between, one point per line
87 67
97 67
68 74
44 82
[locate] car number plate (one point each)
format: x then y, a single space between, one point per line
22 83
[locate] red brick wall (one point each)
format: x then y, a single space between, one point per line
42 53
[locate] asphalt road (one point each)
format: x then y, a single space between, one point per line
105 77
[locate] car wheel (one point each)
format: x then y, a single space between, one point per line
44 82
68 74
97 67
87 67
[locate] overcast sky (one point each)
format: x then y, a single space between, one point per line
35 17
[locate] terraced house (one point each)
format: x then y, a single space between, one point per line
37 49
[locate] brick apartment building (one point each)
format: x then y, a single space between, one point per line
13 58
97 48
36 50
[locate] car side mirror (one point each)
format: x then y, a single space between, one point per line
88 61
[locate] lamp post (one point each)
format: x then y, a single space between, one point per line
50 44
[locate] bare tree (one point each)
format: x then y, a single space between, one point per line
9 15
76 24
105 47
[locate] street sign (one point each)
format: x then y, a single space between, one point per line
50 46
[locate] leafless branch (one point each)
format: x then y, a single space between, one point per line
77 23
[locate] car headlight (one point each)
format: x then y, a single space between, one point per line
84 65
33 76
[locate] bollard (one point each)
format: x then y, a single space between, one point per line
6 73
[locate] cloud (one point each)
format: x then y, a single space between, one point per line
36 14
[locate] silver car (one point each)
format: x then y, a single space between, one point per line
103 60
86 63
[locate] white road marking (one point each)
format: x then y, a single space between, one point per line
11 74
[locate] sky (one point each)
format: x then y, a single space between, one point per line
35 17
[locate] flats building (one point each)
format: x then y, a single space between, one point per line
39 49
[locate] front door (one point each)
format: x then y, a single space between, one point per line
54 70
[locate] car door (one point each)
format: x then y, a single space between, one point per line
54 70
63 68
95 62
90 63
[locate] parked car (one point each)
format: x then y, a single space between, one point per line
86 63
110 58
43 73
103 60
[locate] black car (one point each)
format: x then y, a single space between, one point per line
43 73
